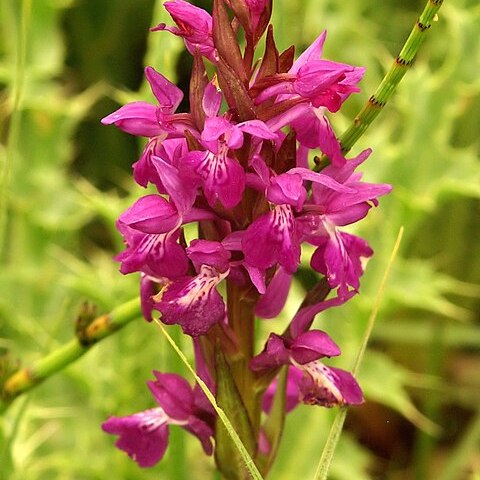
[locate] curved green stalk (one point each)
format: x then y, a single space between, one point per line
99 328
464 452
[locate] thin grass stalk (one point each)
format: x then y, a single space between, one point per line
464 452
336 429
177 461
249 463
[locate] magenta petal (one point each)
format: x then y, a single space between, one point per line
234 137
143 170
147 291
193 303
229 189
294 377
207 252
287 189
214 128
194 25
304 317
143 436
341 173
318 75
257 276
156 255
223 177
264 446
274 354
322 179
173 393
328 386
136 118
201 367
365 192
202 431
179 185
339 258
273 238
261 169
348 386
258 129
350 215
312 345
151 214
212 100
271 304
233 241
314 131
168 94
168 149
313 52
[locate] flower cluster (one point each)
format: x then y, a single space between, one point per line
237 165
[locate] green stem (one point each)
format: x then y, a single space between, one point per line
387 87
101 327
242 320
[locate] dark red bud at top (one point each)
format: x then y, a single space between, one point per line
226 41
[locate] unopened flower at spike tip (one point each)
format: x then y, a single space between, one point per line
194 25
256 8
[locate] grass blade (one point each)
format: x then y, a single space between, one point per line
249 463
334 434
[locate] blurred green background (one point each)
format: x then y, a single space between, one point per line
64 64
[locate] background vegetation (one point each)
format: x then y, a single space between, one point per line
65 64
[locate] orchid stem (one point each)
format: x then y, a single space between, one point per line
99 328
387 87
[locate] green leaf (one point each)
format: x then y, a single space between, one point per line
416 284
390 391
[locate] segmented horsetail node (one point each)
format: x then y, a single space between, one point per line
387 87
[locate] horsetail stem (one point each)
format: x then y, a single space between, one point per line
385 90
97 329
